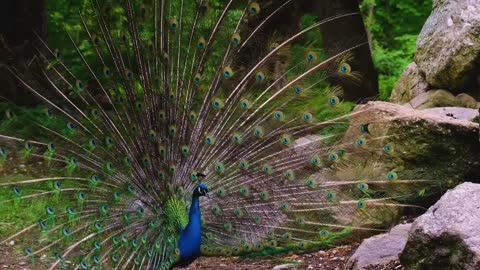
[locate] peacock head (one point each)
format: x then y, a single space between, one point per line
201 190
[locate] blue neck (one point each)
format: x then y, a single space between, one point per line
194 208
190 238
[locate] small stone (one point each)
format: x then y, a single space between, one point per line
12 242
284 266
466 101
321 253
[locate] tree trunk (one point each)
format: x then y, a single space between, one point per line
343 34
20 23
338 35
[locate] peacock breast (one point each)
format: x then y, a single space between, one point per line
189 243
190 238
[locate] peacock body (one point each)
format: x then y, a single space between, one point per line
178 98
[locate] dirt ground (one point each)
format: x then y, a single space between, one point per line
332 259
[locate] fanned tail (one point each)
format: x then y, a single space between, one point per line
172 90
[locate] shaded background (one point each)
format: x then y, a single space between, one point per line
392 38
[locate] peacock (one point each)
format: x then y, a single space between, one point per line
195 127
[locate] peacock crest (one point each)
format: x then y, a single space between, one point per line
177 98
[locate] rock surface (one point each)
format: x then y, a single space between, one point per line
425 145
411 84
455 112
448 47
448 235
380 250
432 99
466 101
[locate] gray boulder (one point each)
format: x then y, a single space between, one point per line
447 236
380 250
448 47
411 84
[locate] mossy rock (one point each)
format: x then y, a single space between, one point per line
424 146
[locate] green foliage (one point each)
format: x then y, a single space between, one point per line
390 62
63 18
25 121
393 26
16 216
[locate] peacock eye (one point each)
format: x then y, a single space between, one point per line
199 190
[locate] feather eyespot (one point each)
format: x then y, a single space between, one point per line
227 72
254 8
192 116
173 24
388 148
66 231
107 72
361 142
334 100
392 176
362 186
217 103
236 138
245 104
361 204
260 76
57 54
236 39
28 146
324 234
197 79
333 156
311 56
201 44
307 117
95 40
297 89
209 140
345 68
80 85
